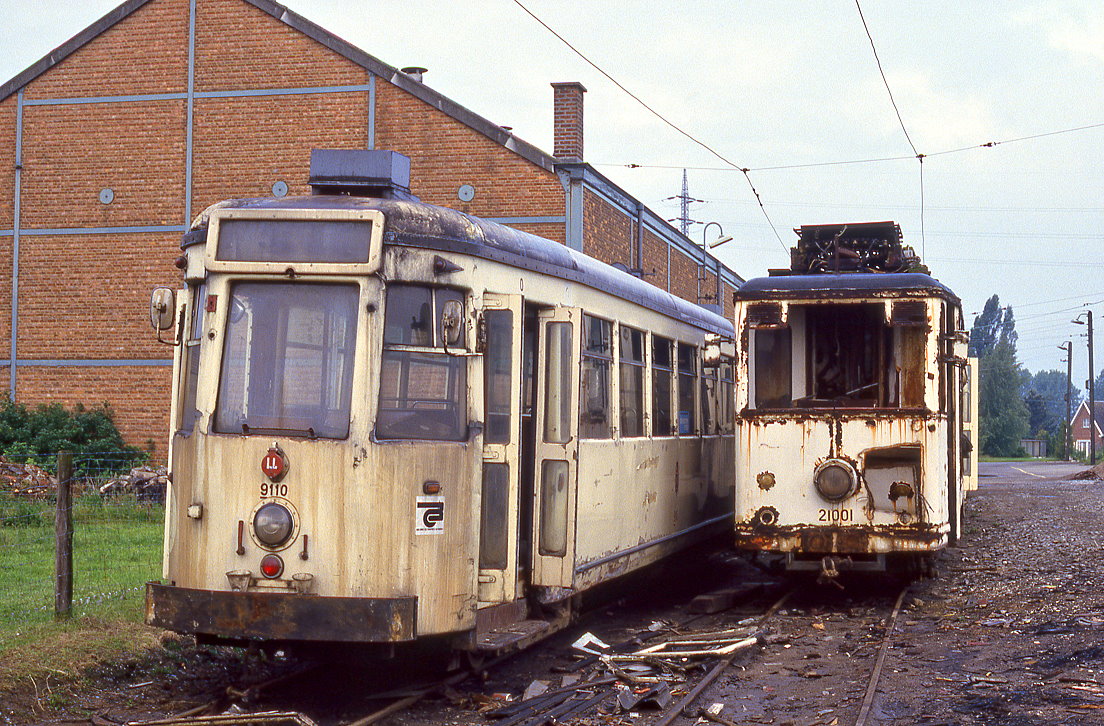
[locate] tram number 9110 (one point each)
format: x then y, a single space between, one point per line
835 516
273 490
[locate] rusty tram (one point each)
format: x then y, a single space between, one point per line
853 405
395 422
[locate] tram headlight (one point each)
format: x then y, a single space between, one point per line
835 479
273 524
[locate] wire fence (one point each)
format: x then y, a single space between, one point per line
117 514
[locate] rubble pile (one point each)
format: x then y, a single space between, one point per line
145 483
1094 473
25 480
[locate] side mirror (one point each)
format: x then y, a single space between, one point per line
452 322
163 308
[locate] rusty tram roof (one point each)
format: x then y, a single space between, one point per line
418 224
845 285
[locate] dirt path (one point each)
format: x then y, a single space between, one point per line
1012 632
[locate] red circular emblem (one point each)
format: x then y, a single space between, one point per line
274 464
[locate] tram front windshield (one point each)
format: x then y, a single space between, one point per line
287 363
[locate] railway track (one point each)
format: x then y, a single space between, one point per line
783 653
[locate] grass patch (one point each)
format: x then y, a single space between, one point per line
43 675
116 550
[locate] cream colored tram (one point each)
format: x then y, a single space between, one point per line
853 406
394 422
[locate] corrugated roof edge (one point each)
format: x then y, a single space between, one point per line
314 31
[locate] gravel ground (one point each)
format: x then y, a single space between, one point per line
1009 633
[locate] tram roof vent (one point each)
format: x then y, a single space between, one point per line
361 173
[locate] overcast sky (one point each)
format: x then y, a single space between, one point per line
784 83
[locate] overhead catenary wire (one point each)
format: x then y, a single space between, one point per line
661 117
874 160
885 80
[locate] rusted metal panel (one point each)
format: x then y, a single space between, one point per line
817 540
267 616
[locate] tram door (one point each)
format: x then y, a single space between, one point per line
556 447
501 506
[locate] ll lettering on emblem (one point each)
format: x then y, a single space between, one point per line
430 515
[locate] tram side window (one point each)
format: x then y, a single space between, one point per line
726 405
190 352
557 383
773 373
687 380
631 369
422 387
709 401
594 393
662 373
497 372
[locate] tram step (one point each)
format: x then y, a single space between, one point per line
515 635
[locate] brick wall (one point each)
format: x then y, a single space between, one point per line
243 145
607 231
239 47
85 296
145 53
63 316
684 276
140 412
654 259
5 302
70 153
7 163
445 154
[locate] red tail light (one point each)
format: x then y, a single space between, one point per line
272 566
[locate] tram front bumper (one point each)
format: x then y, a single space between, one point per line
279 616
812 539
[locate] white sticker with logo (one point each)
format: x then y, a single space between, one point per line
430 516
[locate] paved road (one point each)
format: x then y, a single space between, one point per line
1026 470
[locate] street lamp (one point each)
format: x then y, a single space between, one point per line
1092 392
721 239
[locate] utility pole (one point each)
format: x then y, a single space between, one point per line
1068 347
684 206
1092 392
1092 398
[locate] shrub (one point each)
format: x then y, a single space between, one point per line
36 435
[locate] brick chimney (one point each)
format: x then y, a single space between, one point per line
568 121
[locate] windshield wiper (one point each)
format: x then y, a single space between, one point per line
247 429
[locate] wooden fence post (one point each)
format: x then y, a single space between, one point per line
63 528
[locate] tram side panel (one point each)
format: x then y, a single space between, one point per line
641 499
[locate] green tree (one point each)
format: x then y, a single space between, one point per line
1004 417
1045 395
986 330
1001 409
